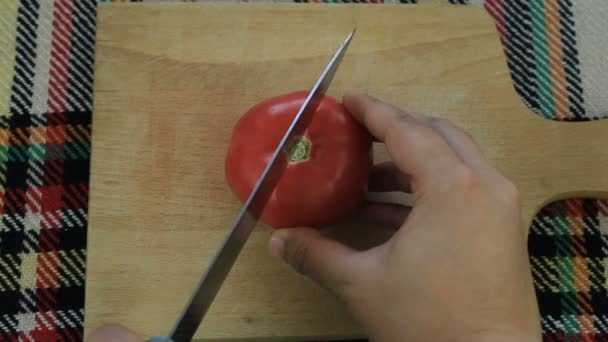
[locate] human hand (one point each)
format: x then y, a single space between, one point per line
457 267
113 333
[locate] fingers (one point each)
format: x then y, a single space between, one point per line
415 148
359 234
113 333
328 262
388 214
464 146
387 177
460 142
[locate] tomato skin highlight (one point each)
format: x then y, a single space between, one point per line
328 180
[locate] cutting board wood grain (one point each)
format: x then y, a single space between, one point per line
171 80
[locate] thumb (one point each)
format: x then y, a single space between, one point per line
113 333
326 261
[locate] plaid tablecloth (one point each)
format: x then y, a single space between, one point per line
556 52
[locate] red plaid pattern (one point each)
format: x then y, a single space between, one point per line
46 77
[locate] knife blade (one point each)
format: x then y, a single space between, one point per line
209 285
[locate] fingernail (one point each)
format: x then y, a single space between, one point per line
277 243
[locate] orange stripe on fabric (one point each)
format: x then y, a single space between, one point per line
586 328
19 136
580 268
37 135
55 134
556 60
79 133
4 136
580 262
557 67
577 243
575 214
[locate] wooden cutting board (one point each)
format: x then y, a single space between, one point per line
172 79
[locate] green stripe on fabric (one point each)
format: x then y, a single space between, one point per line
568 300
566 274
3 169
37 152
569 303
559 218
560 223
571 325
69 151
21 153
541 53
3 154
17 153
77 150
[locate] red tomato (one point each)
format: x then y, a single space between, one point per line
327 166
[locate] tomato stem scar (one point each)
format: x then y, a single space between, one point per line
298 149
